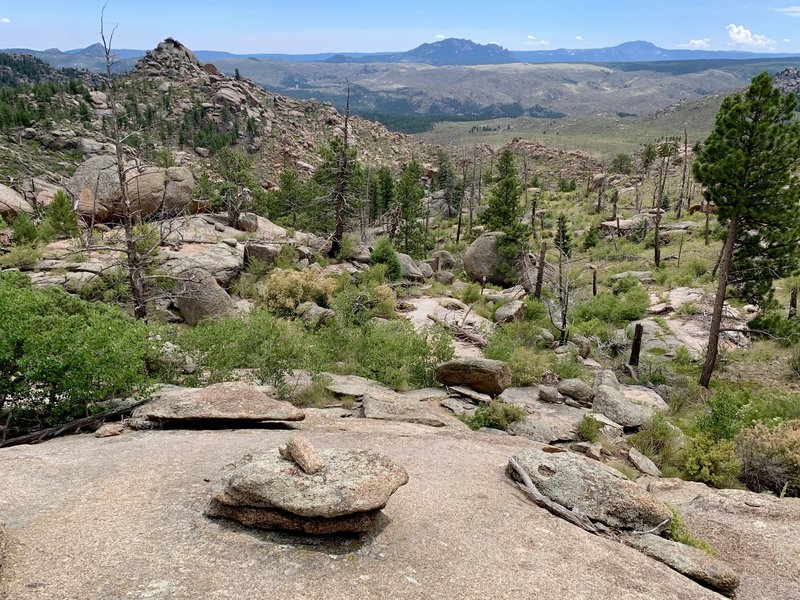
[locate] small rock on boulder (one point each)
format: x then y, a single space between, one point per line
109 430
481 374
248 222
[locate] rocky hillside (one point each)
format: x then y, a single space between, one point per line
171 100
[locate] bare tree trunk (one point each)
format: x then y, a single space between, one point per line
657 239
135 262
793 304
719 303
685 177
636 349
537 293
340 193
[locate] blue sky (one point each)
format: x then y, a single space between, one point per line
371 26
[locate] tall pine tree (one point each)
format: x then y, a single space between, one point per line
748 166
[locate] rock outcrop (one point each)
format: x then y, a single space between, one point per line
201 297
222 402
481 374
483 262
12 203
151 190
301 489
597 491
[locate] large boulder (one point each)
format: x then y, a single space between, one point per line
271 490
199 296
409 269
231 401
481 374
577 390
630 406
691 562
599 492
151 190
482 261
12 203
445 259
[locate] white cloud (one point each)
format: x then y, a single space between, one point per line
792 11
741 36
702 44
532 41
439 36
579 38
5 20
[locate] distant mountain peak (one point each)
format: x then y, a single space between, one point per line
456 51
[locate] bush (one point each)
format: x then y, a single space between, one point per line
659 441
589 429
591 239
259 341
392 353
794 361
712 461
23 230
616 309
527 366
285 290
770 458
61 357
20 257
496 414
383 254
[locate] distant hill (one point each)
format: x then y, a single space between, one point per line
449 52
638 51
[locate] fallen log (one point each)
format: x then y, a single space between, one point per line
461 333
53 432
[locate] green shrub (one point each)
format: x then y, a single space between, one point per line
712 461
471 294
589 429
723 421
770 458
496 414
20 257
527 366
794 361
392 353
284 290
384 253
568 366
591 239
259 341
659 441
60 357
616 309
625 285
678 532
23 230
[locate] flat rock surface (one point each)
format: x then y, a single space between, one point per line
121 517
395 407
234 401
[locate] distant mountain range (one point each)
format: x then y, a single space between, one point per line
449 52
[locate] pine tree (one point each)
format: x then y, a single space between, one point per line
563 241
60 216
408 196
504 212
23 230
748 167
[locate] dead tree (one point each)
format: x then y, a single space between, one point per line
342 177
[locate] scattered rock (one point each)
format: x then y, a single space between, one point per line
267 491
550 394
409 269
691 562
584 345
444 277
593 489
470 394
481 374
644 464
425 269
630 406
109 430
248 222
313 315
645 277
227 401
578 390
511 311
